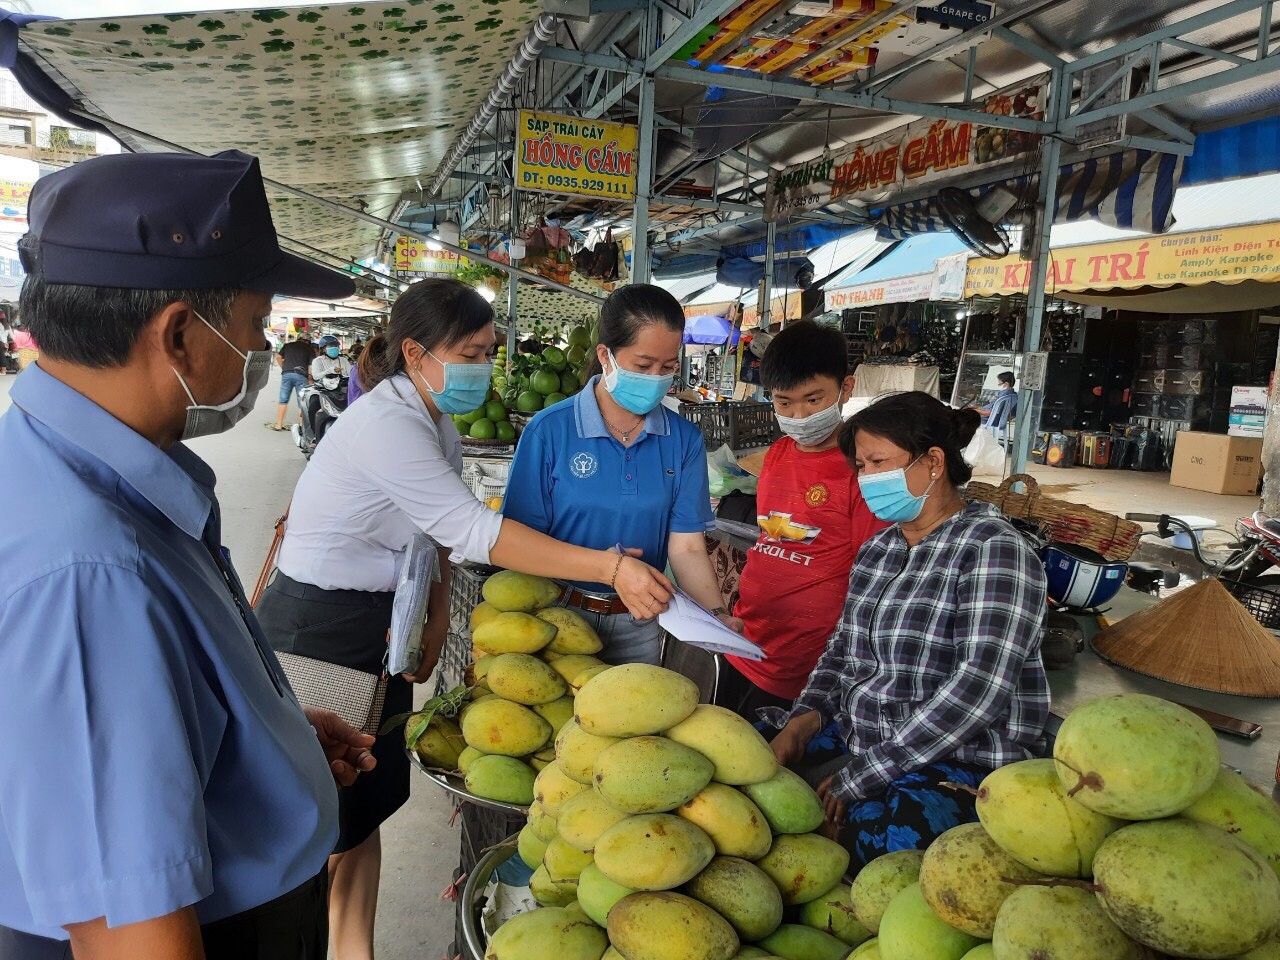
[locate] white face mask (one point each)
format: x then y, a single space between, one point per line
204 420
814 429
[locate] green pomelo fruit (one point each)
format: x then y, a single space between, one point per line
467 757
804 866
512 633
493 411
579 337
554 358
552 788
525 679
1058 923
513 592
530 847
542 823
501 778
1135 757
653 851
1188 889
574 635
787 802
1243 811
529 401
553 398
597 893
794 941
500 726
1026 810
740 754
557 713
740 892
564 863
961 878
548 934
650 774
832 914
735 824
549 893
669 926
440 745
544 381
483 429
577 750
568 382
880 881
909 930
504 430
634 699
584 818
473 416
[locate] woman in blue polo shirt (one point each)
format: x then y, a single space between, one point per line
612 466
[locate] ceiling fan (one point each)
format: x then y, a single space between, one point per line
978 222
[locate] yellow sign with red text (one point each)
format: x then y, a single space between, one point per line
414 256
590 158
1229 255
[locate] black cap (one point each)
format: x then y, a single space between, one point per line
165 221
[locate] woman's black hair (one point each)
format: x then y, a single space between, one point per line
628 310
433 313
916 422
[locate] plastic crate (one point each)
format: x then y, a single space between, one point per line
715 420
754 425
486 477
465 583
1262 602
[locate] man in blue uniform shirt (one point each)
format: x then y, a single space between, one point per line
162 794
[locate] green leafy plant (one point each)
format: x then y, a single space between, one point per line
447 705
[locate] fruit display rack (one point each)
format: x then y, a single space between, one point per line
465 582
469 902
453 785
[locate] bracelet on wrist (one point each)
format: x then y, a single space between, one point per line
613 580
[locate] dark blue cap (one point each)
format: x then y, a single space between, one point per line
165 221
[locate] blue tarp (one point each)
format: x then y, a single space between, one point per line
914 255
708 329
1244 150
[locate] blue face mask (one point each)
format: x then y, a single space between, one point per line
466 385
888 496
331 352
637 392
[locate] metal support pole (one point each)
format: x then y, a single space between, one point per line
513 285
766 294
1029 400
641 261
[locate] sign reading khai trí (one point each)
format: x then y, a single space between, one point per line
591 158
919 153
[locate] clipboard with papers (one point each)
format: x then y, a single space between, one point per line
688 622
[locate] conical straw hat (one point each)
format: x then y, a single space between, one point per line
1201 637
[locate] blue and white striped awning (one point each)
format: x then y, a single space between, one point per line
1132 190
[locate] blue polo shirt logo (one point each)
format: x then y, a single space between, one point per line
584 465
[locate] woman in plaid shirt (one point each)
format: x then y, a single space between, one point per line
933 673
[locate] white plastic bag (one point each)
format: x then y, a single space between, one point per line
984 453
726 476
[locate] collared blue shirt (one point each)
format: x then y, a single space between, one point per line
153 754
573 481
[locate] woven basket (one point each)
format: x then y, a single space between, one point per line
1106 533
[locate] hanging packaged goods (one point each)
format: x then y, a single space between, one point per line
919 153
590 158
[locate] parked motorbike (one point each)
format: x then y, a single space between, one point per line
321 403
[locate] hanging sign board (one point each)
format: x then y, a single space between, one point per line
897 290
413 256
1218 256
965 14
589 158
923 152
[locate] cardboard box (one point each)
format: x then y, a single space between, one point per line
1217 464
1249 400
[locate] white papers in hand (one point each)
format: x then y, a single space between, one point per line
690 623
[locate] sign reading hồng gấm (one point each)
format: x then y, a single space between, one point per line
590 158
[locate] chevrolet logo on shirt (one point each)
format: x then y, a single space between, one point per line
779 527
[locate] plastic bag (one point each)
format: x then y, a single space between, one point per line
984 453
726 476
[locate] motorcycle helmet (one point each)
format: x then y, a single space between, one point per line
328 340
1080 578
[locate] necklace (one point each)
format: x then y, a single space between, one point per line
626 434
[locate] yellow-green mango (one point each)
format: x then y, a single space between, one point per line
512 633
740 892
736 748
597 893
832 914
909 930
582 676
1044 923
519 592
557 713
501 778
577 750
552 933
542 759
552 788
524 679
1243 811
543 823
563 862
669 926
530 847
583 818
482 612
573 634
633 700
653 851
440 745
752 953
1025 809
475 673
787 802
983 951
1268 951
471 704
868 951
650 774
735 824
804 865
963 878
794 941
548 892
500 726
880 881
612 954
570 666
468 756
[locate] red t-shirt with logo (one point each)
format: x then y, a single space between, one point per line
813 521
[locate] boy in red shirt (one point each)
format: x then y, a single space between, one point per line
812 523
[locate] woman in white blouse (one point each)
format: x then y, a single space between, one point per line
392 465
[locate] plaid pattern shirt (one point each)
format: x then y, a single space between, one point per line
937 653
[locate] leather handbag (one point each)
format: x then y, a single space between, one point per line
269 564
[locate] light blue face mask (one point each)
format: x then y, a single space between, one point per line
637 392
331 352
466 385
888 496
